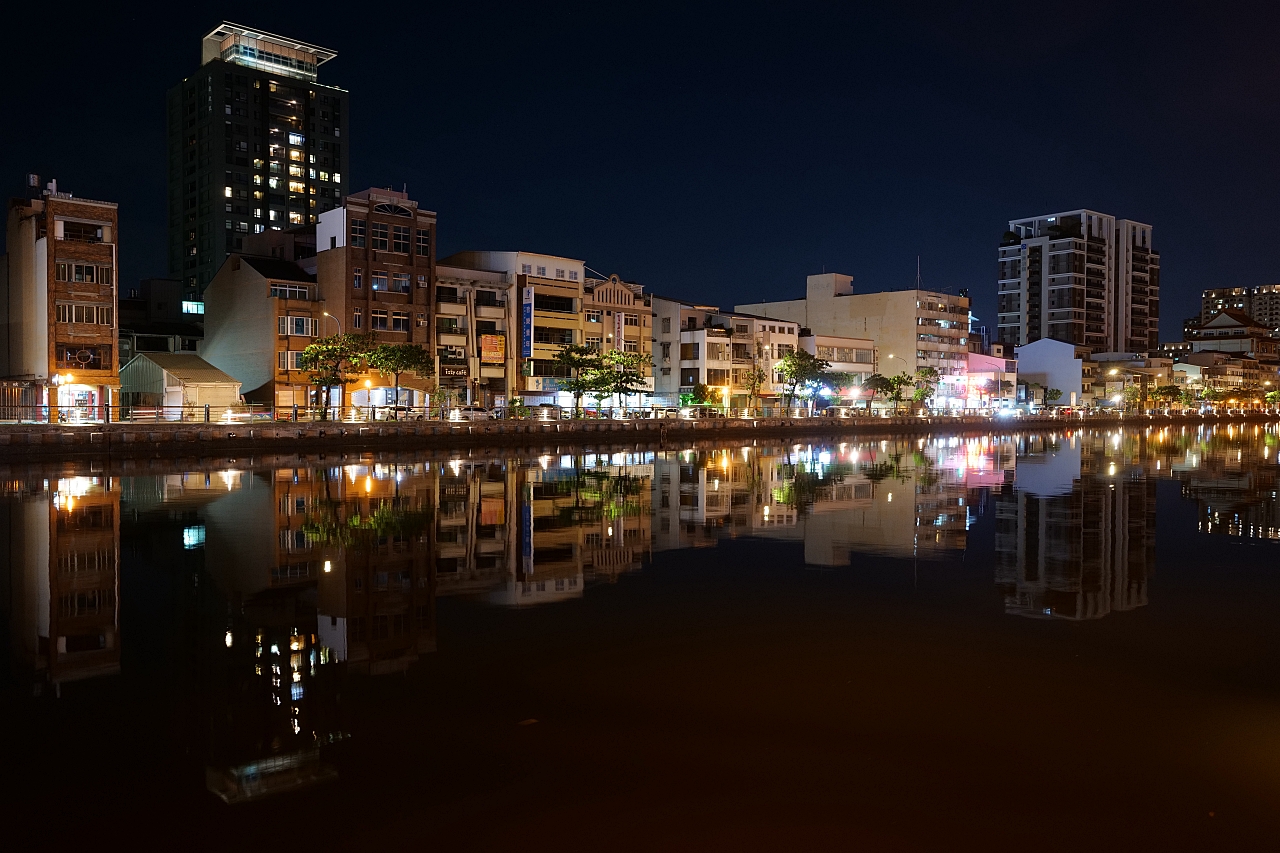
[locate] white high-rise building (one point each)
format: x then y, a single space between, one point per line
1081 277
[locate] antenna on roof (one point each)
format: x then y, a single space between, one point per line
918 282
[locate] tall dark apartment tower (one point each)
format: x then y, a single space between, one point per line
1082 277
255 143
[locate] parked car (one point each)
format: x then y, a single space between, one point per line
546 412
693 413
470 413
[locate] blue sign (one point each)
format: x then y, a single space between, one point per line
526 331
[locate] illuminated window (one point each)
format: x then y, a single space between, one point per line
226 191
297 187
379 280
295 217
295 171
295 139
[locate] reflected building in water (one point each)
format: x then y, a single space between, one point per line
1076 538
897 498
61 539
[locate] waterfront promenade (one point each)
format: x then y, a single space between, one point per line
187 439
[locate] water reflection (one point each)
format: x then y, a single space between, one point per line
284 582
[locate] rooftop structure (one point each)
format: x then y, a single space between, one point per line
264 51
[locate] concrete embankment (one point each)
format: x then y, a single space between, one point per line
185 439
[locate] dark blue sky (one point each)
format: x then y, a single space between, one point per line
723 152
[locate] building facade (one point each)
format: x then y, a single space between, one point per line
58 316
255 143
1080 277
1261 303
549 315
375 269
702 345
260 314
910 329
473 348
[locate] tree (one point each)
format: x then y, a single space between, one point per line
396 359
1187 399
1052 395
582 364
1273 397
927 379
873 385
331 361
799 367
753 379
897 385
620 373
701 394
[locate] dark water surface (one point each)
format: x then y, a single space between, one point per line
1056 641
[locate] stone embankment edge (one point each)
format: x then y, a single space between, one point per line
58 441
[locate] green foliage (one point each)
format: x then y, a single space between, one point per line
897 385
754 378
619 374
1273 397
701 394
1052 395
583 364
332 361
798 368
396 359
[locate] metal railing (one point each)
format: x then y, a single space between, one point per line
250 414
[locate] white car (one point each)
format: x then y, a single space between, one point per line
470 413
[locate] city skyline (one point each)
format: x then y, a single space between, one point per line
689 149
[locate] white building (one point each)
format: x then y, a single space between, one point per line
702 345
910 329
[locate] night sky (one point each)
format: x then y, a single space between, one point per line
719 153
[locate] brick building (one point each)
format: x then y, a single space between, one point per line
58 306
375 267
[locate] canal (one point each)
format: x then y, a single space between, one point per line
1061 640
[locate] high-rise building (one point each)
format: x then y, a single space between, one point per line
1079 277
255 143
1261 303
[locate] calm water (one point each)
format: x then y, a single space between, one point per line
1061 641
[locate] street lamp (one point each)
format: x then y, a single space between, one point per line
334 319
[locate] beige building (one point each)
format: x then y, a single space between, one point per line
552 286
910 329
473 334
259 315
58 301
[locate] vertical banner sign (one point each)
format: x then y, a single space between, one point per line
526 327
617 330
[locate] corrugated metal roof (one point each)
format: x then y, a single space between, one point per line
186 367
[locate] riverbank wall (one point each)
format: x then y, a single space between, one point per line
187 440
